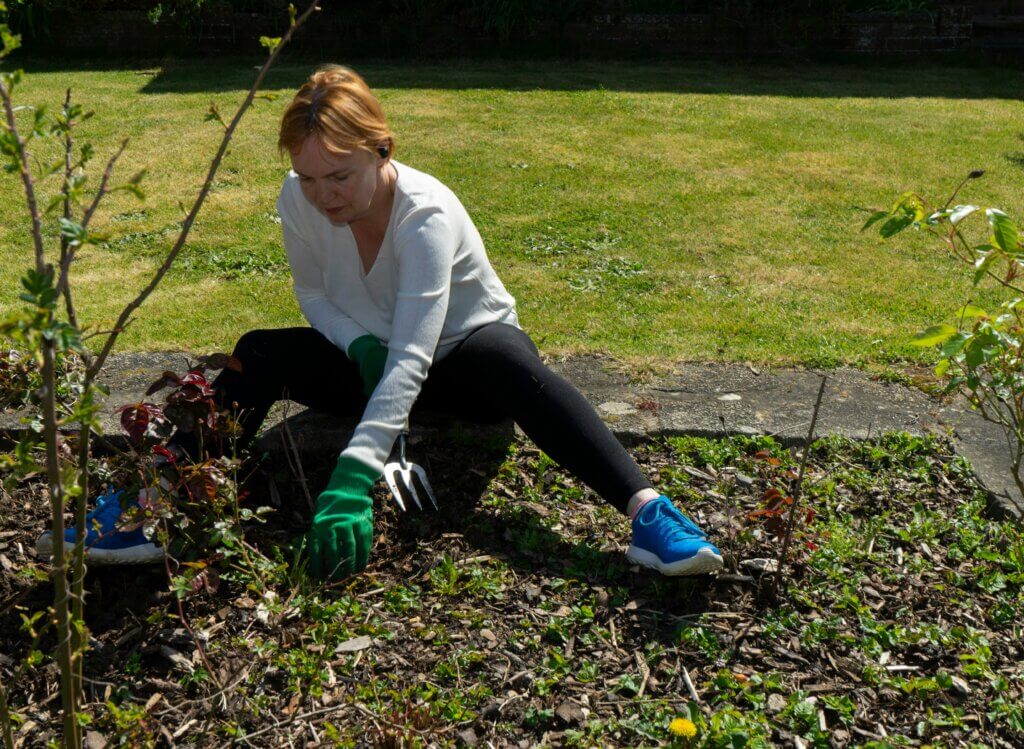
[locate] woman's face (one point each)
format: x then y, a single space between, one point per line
341 187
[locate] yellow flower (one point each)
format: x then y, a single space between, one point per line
682 727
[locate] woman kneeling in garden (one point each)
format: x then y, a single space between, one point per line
393 277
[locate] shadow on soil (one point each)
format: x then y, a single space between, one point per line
462 467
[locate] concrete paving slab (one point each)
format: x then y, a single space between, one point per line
711 400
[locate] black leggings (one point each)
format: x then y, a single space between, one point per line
493 374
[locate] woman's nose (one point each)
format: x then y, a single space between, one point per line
322 194
325 194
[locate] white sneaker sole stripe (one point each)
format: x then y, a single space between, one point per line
701 563
142 554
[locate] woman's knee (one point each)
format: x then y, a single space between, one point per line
501 345
256 348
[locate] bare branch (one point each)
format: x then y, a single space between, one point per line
26 178
200 199
87 217
67 258
973 175
68 147
795 489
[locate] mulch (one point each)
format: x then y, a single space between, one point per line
512 618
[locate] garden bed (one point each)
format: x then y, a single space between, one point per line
512 616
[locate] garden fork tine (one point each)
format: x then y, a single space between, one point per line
401 475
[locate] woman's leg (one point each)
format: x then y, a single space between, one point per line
295 363
497 373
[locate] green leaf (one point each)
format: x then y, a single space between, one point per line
10 41
934 335
12 79
952 347
969 310
960 212
214 114
942 367
874 218
270 42
981 265
55 202
73 231
291 14
980 350
1004 231
895 225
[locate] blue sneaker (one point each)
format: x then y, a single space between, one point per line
104 543
666 540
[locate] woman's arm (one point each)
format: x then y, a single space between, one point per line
425 250
308 283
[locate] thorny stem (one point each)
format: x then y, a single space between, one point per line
291 450
184 621
78 562
795 490
68 145
26 178
65 636
58 571
186 227
78 555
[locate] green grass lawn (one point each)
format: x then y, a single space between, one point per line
669 212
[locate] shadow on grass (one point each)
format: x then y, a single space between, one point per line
861 78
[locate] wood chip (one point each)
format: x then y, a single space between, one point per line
355 644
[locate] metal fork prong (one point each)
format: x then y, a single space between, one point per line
407 477
393 486
426 485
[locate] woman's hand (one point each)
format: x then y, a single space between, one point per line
371 355
342 531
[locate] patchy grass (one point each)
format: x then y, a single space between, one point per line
512 615
652 211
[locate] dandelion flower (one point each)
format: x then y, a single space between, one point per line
682 727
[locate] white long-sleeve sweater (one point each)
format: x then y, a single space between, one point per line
430 286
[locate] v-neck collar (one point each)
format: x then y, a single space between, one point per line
363 272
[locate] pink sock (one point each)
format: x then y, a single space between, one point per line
637 507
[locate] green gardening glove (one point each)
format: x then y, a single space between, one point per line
342 532
370 354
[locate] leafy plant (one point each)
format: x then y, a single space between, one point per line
46 332
982 352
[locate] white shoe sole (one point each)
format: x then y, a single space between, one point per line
147 553
703 562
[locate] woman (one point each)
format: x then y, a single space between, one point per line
405 308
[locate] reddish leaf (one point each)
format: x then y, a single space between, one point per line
138 418
161 450
764 512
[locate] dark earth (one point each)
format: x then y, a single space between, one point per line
512 618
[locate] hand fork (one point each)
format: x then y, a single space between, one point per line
400 475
